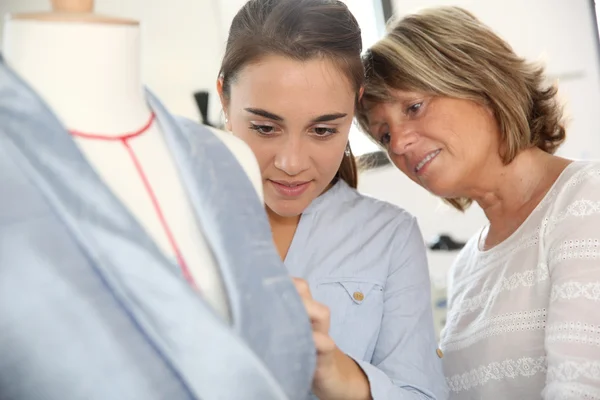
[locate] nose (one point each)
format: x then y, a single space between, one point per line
292 158
403 138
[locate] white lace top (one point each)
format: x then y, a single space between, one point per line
524 317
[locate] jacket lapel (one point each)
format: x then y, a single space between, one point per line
266 308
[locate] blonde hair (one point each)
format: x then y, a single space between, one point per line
447 51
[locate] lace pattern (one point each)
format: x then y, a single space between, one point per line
573 332
571 371
575 290
576 250
497 371
514 281
571 391
525 242
579 208
533 320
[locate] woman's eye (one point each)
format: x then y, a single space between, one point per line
263 129
322 131
385 139
414 108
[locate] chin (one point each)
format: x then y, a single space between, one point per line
442 189
288 212
287 208
440 183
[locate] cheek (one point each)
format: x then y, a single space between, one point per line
328 156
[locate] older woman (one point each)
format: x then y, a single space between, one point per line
461 115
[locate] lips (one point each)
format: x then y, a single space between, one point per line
290 188
426 160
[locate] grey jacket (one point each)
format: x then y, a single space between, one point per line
90 309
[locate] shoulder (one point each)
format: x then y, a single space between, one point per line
370 214
237 147
381 208
245 156
358 236
577 187
571 224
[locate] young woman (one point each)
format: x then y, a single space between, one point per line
289 83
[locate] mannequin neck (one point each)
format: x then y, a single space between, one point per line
88 73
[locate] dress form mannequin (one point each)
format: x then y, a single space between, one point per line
91 80
92 304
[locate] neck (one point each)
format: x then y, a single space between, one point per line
283 230
88 72
510 190
279 221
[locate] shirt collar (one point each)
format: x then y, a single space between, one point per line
338 193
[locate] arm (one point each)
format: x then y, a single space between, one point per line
405 364
572 341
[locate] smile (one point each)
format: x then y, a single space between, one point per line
426 160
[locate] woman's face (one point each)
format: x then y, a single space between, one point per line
441 143
295 116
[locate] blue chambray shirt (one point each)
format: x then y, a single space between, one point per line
365 259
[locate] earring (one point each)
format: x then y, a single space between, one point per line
347 151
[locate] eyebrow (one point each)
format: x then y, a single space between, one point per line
329 117
275 117
264 113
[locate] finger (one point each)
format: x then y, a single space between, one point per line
302 287
323 343
319 315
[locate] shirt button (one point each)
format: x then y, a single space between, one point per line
358 296
439 353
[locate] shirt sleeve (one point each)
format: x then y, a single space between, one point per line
405 364
572 340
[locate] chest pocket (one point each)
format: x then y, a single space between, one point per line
356 312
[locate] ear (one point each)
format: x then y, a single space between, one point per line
361 91
224 103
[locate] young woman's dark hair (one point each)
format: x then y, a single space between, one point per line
301 30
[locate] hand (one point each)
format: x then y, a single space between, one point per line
337 376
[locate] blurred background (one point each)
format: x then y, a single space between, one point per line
183 42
